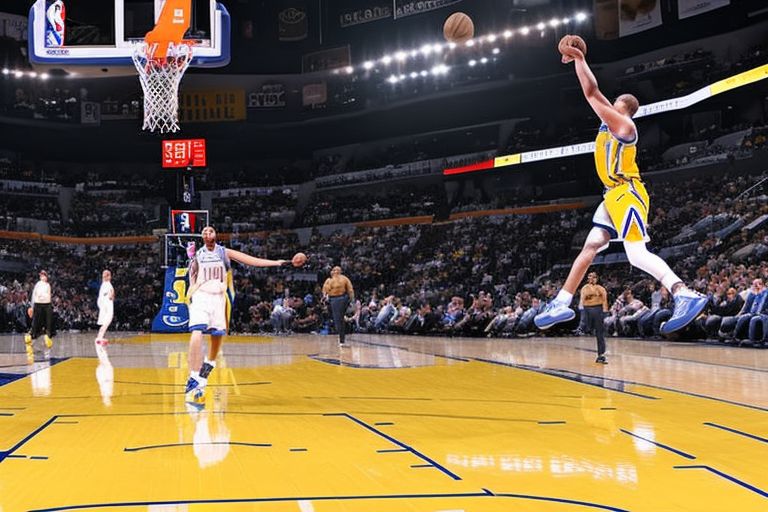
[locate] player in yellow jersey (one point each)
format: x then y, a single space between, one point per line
623 214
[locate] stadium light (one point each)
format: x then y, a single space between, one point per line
507 34
566 21
484 60
470 43
490 38
368 65
392 79
401 56
426 49
44 76
32 74
525 31
18 74
414 74
452 45
349 70
437 48
472 63
6 71
496 51
541 26
554 22
386 60
581 17
424 72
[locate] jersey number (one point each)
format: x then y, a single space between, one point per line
213 274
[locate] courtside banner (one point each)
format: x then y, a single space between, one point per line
174 313
405 8
688 8
727 84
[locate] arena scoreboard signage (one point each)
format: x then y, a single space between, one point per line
184 153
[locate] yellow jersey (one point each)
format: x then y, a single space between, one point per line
615 158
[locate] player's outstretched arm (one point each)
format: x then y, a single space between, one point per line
618 123
247 259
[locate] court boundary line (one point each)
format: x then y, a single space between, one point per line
391 439
736 431
634 383
485 494
726 476
660 445
212 443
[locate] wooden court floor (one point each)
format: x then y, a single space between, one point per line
385 424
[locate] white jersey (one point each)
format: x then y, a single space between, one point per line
106 293
41 294
212 267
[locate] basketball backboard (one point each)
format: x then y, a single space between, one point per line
101 33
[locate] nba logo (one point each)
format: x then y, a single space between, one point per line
184 222
54 25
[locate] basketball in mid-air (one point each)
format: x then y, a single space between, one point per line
571 40
458 28
299 259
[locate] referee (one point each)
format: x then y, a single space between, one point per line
595 301
338 290
42 316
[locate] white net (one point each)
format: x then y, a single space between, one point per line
160 79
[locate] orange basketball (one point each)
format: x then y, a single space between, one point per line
299 259
571 40
458 28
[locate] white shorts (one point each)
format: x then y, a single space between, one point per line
208 312
106 314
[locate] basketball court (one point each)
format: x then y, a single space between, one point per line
386 423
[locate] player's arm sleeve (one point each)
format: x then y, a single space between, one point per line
247 259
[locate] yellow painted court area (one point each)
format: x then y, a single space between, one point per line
389 424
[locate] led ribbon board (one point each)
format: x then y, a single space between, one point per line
727 84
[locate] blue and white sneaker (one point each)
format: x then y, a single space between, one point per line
554 313
192 383
688 306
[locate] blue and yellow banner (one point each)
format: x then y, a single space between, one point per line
173 316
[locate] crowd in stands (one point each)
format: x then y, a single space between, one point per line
485 276
263 209
395 202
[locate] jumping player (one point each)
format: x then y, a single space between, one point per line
106 303
207 309
623 214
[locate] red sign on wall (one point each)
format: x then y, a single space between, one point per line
182 153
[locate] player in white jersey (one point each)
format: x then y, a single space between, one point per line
106 303
207 308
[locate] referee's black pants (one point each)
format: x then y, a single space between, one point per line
594 316
42 320
339 305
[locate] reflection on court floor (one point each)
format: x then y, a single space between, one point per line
385 424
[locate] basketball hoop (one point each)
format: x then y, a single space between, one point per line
160 73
